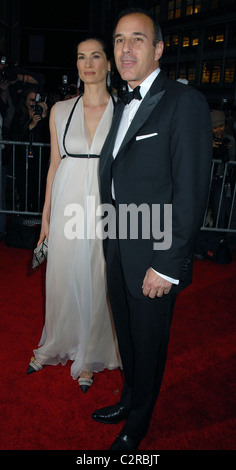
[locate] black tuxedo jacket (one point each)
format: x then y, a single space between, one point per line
165 158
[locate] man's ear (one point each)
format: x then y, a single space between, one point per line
159 50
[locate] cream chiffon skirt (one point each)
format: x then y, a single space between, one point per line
78 325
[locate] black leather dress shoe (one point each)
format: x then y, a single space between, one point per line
125 442
111 414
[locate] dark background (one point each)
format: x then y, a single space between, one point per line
42 36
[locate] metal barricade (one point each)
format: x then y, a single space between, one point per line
220 215
27 168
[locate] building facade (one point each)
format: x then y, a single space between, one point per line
200 45
199 37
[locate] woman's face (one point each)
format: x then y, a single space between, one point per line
92 63
30 100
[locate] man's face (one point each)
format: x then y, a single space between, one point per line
135 55
218 131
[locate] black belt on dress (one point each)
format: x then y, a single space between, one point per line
81 155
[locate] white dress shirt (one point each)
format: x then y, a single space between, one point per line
126 119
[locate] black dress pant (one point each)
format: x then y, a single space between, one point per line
143 328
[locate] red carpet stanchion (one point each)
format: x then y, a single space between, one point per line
47 410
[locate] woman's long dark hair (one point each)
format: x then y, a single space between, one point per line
22 110
101 40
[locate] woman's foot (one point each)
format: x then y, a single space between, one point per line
85 380
34 366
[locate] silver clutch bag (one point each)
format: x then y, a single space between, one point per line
40 254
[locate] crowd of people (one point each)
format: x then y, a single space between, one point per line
110 300
24 117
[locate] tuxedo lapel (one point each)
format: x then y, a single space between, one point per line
107 151
115 124
144 111
149 102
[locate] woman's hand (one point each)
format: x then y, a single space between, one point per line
44 233
45 109
34 121
35 118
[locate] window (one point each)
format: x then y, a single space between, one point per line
195 38
177 8
167 42
174 9
170 70
197 7
216 71
190 39
172 73
175 41
189 8
188 71
211 71
186 40
171 42
192 73
193 7
229 71
206 72
219 38
183 71
155 11
215 37
171 7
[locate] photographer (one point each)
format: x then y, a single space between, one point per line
30 124
68 90
12 73
223 143
224 150
13 79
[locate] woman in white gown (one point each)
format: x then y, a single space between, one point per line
78 326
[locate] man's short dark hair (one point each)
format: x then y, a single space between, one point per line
157 29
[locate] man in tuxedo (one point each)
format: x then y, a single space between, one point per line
157 154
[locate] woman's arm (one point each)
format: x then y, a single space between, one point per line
55 160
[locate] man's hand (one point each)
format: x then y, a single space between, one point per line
154 285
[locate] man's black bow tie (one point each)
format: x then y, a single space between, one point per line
132 95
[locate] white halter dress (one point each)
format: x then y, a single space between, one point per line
78 325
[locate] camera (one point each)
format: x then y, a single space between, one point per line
7 73
221 151
66 89
38 109
225 141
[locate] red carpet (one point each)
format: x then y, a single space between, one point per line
47 411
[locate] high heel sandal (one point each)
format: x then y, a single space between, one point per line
85 383
34 366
